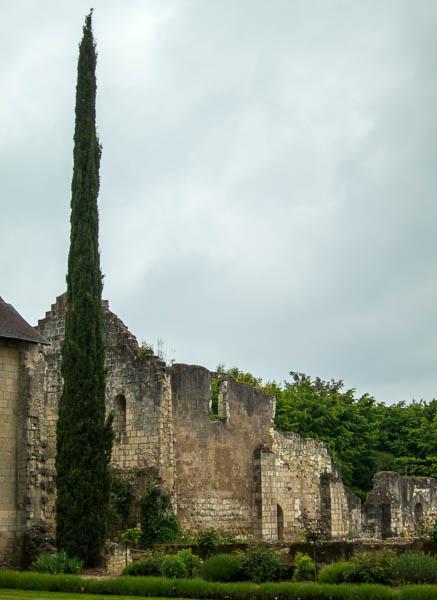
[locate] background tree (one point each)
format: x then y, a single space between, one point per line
83 440
348 425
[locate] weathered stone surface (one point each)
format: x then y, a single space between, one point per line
115 558
233 472
215 484
399 506
19 443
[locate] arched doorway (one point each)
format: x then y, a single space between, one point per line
418 517
280 522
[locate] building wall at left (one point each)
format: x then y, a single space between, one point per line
10 519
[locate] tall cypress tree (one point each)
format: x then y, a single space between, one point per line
83 439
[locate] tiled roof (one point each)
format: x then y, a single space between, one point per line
13 326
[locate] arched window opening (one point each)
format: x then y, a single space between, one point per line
418 518
119 417
280 522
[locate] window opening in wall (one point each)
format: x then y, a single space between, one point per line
385 521
214 399
280 521
120 417
418 517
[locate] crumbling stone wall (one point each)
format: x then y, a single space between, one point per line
137 390
295 474
233 472
399 506
230 471
215 485
115 558
238 474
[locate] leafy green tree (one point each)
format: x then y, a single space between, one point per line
323 409
130 537
83 439
407 438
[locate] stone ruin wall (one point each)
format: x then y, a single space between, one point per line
215 458
295 474
399 506
137 390
234 472
229 473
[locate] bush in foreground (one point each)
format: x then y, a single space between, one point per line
417 592
314 591
191 561
174 567
261 565
335 573
384 568
208 542
146 566
58 562
376 567
415 568
222 567
304 568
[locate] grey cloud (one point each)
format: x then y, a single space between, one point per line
268 179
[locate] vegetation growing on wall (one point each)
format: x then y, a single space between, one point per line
83 440
120 504
362 435
214 400
158 522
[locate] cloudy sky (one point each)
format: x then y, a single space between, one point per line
269 179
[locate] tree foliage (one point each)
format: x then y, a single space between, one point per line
158 522
407 440
323 409
362 436
83 439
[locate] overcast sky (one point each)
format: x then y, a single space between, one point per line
269 179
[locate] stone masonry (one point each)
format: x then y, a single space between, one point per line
399 506
20 450
235 473
230 471
10 522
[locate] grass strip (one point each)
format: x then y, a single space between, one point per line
417 592
37 595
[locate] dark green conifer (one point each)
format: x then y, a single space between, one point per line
83 439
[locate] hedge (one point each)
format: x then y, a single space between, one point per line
204 590
417 592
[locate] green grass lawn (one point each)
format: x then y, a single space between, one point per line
30 595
